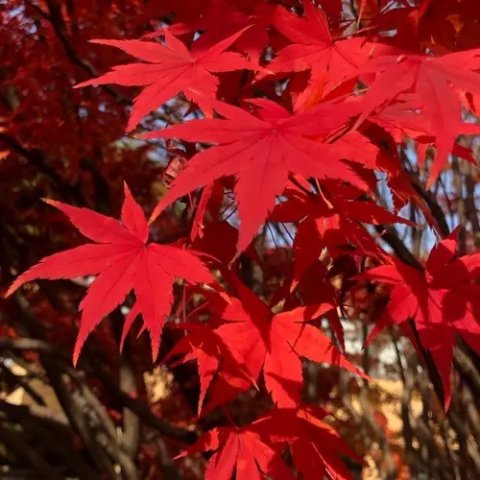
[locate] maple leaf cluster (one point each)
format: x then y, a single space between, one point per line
295 114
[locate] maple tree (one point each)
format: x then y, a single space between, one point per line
302 225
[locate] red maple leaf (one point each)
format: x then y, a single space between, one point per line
260 151
436 82
443 300
315 446
254 451
124 261
332 219
235 15
172 69
216 364
402 119
275 343
240 451
312 47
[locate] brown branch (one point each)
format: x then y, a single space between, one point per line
144 412
19 380
407 429
38 160
110 440
131 422
122 397
434 207
169 468
24 344
54 16
391 237
21 449
128 384
55 432
467 369
71 404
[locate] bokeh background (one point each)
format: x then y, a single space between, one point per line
120 416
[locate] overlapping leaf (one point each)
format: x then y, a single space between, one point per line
217 367
443 300
260 151
241 452
253 451
170 69
334 222
436 81
316 448
275 344
314 48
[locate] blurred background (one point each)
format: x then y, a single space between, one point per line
120 416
